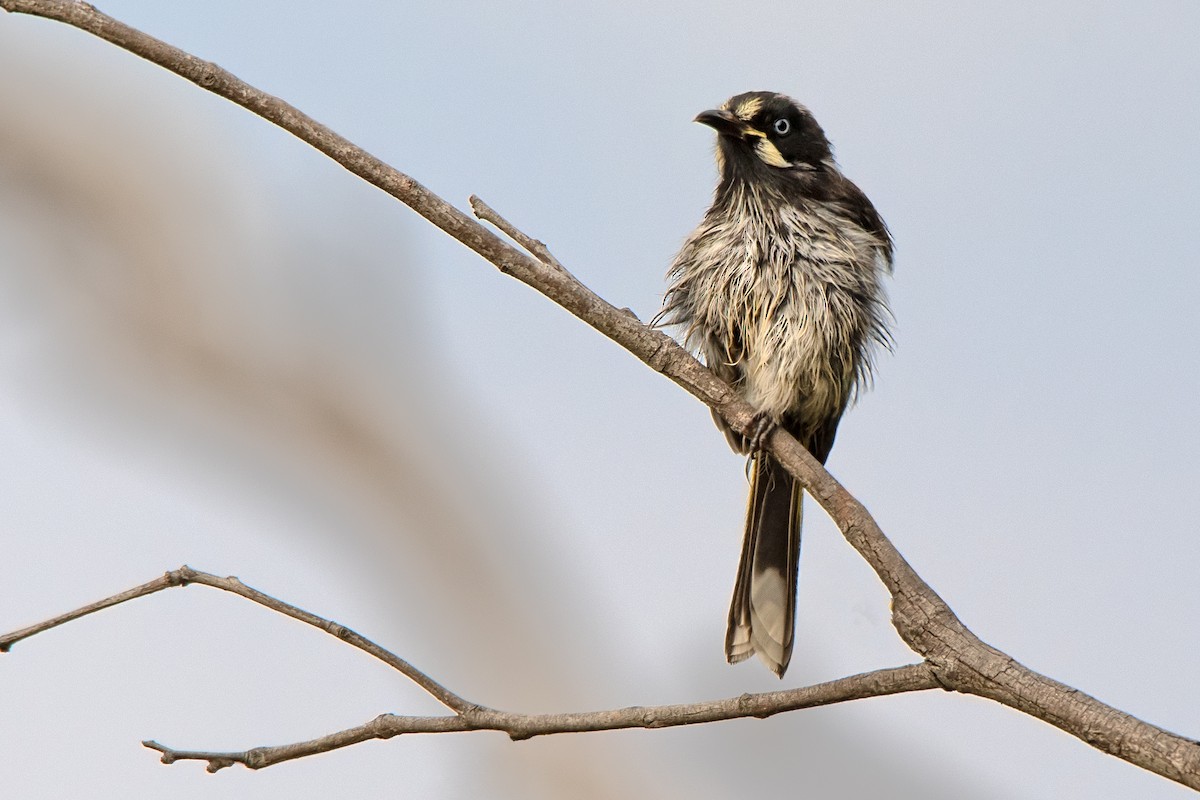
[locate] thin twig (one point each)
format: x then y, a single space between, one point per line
535 247
960 660
158 584
384 726
470 716
897 680
185 575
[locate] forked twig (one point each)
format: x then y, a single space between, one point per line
957 658
535 247
186 575
469 716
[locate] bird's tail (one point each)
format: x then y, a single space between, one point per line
762 615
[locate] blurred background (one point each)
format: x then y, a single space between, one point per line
218 348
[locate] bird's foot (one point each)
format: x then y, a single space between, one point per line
759 431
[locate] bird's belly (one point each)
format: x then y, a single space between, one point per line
798 362
785 314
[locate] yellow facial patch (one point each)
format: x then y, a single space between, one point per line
766 150
748 108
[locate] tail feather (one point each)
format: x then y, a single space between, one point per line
762 615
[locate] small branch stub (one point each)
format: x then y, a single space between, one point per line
952 656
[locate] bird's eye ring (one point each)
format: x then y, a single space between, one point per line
782 127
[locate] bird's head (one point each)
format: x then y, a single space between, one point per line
765 128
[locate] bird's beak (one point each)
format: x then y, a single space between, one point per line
721 121
726 123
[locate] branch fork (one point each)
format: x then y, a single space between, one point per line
953 658
469 716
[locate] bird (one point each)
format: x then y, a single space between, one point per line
780 291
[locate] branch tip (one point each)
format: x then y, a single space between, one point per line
215 761
932 629
166 755
535 247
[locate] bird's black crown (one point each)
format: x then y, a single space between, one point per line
775 129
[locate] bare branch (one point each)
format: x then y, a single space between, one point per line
158 584
384 726
534 247
185 575
959 659
470 716
910 678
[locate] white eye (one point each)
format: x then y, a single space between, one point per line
782 127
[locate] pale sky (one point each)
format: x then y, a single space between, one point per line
218 348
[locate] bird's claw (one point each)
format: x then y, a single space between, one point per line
759 431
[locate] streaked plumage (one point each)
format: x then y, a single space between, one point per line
779 289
